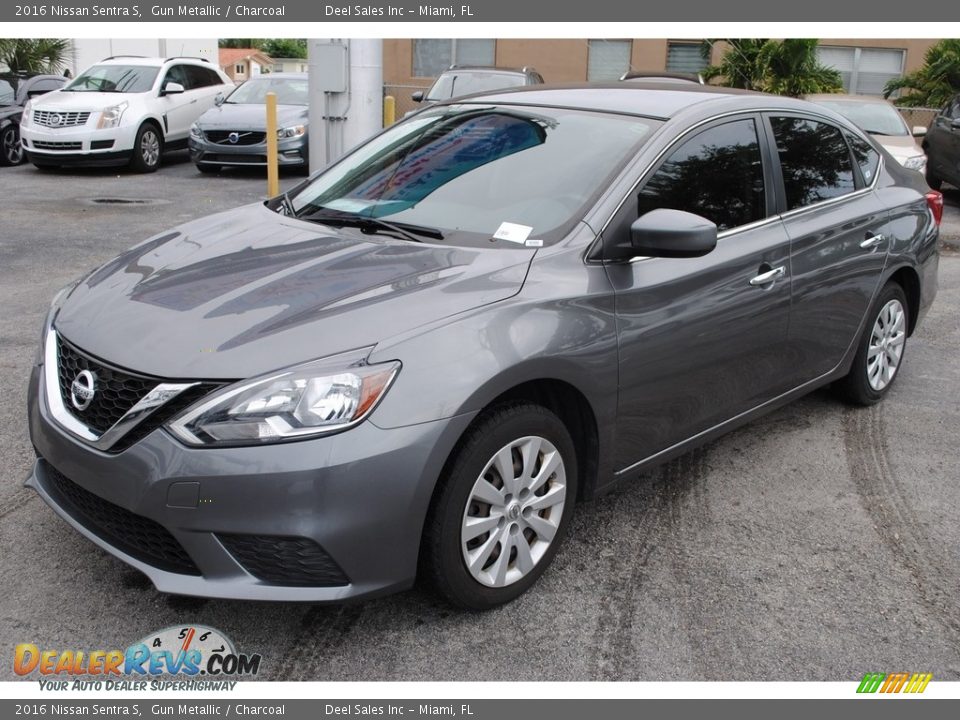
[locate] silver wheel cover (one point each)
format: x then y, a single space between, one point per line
513 511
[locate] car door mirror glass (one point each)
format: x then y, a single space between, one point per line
673 234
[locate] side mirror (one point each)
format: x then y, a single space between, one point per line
955 123
672 234
173 88
417 96
919 131
219 99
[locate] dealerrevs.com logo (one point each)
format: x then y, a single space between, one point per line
190 651
887 683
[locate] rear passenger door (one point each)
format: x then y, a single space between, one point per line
701 339
838 238
207 84
943 143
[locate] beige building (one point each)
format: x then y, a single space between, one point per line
241 64
864 64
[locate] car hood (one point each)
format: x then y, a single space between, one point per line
901 147
250 117
249 291
86 101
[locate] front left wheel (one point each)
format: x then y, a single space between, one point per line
147 149
502 508
11 151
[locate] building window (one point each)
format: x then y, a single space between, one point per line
432 56
238 70
608 59
864 70
685 57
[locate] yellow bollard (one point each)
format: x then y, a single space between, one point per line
273 169
389 110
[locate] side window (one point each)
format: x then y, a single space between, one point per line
866 157
196 76
176 74
717 174
953 109
815 161
212 77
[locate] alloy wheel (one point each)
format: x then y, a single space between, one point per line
150 148
11 148
513 511
886 345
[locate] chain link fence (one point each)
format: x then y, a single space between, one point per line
918 116
401 94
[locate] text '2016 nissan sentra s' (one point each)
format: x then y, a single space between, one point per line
419 360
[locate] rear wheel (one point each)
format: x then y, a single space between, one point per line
933 181
11 151
147 148
880 354
502 508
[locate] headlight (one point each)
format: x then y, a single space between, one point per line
26 116
317 398
289 132
195 132
110 117
51 315
917 162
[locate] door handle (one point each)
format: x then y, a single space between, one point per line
769 276
871 242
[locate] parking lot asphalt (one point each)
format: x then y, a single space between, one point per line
817 543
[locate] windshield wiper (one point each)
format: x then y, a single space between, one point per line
371 224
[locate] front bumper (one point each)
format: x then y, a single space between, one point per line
361 496
290 152
78 145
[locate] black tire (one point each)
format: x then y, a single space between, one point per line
442 555
11 151
933 181
208 169
855 388
147 149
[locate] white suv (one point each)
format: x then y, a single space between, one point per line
125 109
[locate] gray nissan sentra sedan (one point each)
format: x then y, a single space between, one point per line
419 360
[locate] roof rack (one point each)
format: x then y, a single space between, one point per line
117 57
187 57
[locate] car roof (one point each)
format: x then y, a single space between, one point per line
152 61
847 98
654 99
489 69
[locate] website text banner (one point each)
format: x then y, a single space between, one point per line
153 709
471 11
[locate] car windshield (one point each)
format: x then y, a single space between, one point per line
290 91
115 79
470 171
873 117
451 85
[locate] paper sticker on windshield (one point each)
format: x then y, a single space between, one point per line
513 232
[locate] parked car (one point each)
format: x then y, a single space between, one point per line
15 90
664 77
421 358
460 80
942 144
235 131
125 109
880 119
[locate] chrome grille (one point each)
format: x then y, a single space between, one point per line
243 137
51 118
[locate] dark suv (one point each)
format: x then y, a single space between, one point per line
942 145
460 80
15 90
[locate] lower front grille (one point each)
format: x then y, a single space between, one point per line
133 534
235 159
53 145
290 561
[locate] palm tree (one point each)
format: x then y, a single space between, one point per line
935 83
783 67
44 55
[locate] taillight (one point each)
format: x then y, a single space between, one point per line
935 203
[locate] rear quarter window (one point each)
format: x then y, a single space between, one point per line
865 156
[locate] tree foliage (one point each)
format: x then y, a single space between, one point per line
934 84
274 47
42 55
782 67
